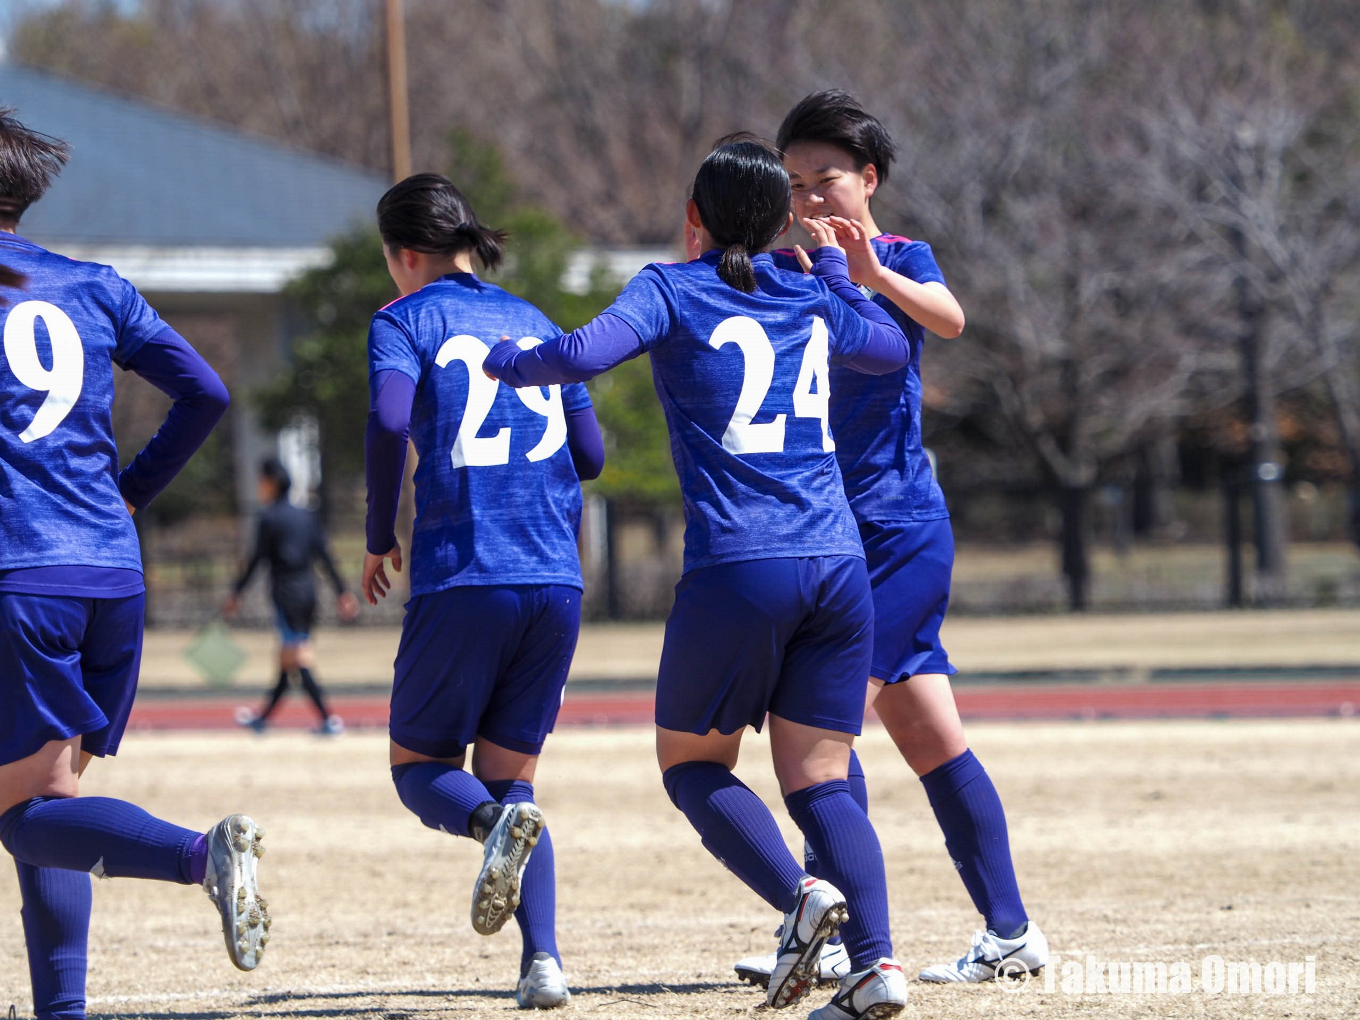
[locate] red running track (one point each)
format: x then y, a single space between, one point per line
1027 701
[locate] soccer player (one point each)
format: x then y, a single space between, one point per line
72 596
772 614
495 578
837 156
289 538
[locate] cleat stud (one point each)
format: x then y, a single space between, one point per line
257 850
242 825
524 813
264 941
516 833
268 922
241 895
481 919
532 841
241 928
259 834
260 902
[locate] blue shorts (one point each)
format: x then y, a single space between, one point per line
909 568
294 622
482 661
68 667
791 637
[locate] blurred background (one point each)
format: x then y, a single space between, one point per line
1148 212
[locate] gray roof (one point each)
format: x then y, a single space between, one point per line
142 175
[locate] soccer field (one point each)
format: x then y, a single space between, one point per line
1166 842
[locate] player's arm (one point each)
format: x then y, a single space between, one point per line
257 556
392 394
585 443
599 345
177 370
928 302
885 347
345 602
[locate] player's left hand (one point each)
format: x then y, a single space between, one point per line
347 606
375 584
859 252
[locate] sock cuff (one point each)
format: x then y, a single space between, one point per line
954 774
673 776
800 801
510 791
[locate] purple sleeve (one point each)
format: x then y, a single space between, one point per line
391 396
886 349
582 354
168 363
585 442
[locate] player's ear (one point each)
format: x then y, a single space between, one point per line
692 214
788 222
410 259
870 176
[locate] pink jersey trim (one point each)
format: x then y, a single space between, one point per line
890 238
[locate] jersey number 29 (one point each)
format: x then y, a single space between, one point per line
471 450
63 381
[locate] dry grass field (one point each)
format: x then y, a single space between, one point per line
1134 841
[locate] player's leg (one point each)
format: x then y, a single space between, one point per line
300 619
911 566
721 656
518 718
817 710
71 664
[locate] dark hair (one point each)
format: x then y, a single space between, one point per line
742 191
427 213
28 162
835 117
272 468
9 278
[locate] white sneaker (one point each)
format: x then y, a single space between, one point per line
873 994
543 987
816 916
834 965
507 849
992 957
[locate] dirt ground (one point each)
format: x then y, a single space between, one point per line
1163 842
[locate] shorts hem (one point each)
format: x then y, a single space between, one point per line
823 723
946 668
514 744
42 738
431 747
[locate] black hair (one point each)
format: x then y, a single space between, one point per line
9 278
427 213
28 162
835 117
743 195
272 468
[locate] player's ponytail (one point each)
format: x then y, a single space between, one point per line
9 278
743 196
426 213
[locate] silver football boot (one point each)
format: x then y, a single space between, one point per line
507 849
234 851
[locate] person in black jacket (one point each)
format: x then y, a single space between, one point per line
289 538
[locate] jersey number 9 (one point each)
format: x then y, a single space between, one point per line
62 382
471 450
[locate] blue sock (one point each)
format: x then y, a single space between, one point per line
850 859
56 916
100 835
969 812
859 790
737 828
537 912
441 796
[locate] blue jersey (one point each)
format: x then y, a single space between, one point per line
497 497
877 418
743 380
59 498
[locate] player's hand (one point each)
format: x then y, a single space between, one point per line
821 231
859 252
804 259
231 607
375 583
347 606
503 339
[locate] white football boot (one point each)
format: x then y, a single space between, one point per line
543 987
506 852
874 994
756 970
991 956
234 852
816 916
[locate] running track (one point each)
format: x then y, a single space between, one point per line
1027 700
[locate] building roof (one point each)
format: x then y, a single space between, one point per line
146 178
